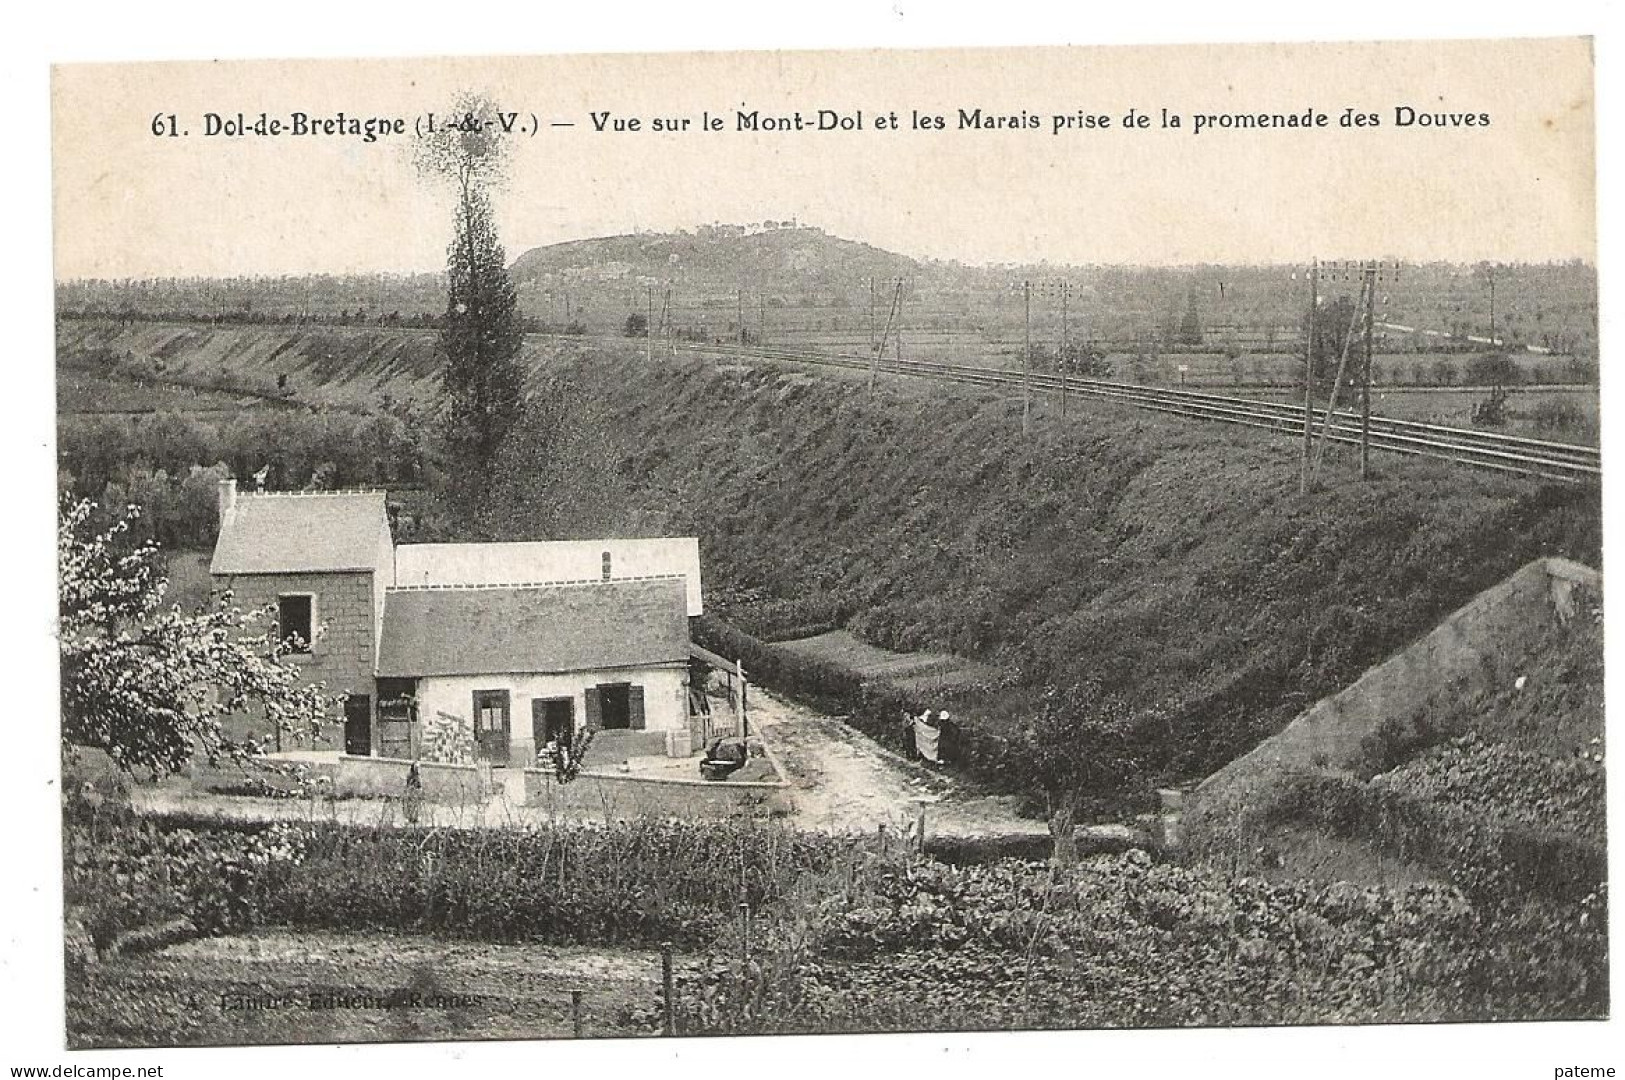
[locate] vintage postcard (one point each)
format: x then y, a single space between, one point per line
619 546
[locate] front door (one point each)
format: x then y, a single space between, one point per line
358 725
552 720
492 729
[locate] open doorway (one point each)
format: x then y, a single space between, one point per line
552 720
358 725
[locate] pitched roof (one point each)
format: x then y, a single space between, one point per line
551 561
293 532
533 628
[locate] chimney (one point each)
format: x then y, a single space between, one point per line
228 497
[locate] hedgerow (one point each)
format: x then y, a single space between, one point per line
1489 856
854 935
631 883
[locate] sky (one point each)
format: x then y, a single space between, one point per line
131 203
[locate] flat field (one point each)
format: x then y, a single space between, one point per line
315 986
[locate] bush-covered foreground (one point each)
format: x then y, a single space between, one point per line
847 936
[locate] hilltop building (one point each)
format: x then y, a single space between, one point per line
481 652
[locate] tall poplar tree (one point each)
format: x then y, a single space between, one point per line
482 380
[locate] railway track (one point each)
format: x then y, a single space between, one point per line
1516 454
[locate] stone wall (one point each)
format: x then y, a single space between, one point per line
628 797
267 773
1461 654
386 777
614 747
344 656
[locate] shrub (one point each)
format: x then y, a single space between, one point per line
1490 859
1557 416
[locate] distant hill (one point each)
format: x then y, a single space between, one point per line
717 258
791 284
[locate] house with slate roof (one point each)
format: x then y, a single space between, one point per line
491 650
323 560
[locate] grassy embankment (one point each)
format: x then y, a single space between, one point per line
1173 569
1170 570
1505 785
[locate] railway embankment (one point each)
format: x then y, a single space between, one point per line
1154 586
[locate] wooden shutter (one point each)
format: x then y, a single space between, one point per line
634 707
595 709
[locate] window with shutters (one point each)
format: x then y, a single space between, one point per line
616 706
607 565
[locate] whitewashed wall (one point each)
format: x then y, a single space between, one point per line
665 698
552 560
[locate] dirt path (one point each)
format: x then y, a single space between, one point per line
844 783
847 783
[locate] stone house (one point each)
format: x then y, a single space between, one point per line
482 651
323 560
538 662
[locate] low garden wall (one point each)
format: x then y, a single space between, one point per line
632 797
260 776
372 776
620 745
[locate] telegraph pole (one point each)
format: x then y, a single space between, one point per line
871 314
742 338
670 321
1061 356
1027 362
894 315
1374 273
761 317
649 326
1052 288
1309 374
897 341
1365 383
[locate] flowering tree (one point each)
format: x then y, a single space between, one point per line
151 685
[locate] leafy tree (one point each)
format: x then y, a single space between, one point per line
1578 369
1081 749
1492 411
1334 326
483 380
151 686
1190 324
1493 369
637 325
1083 359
